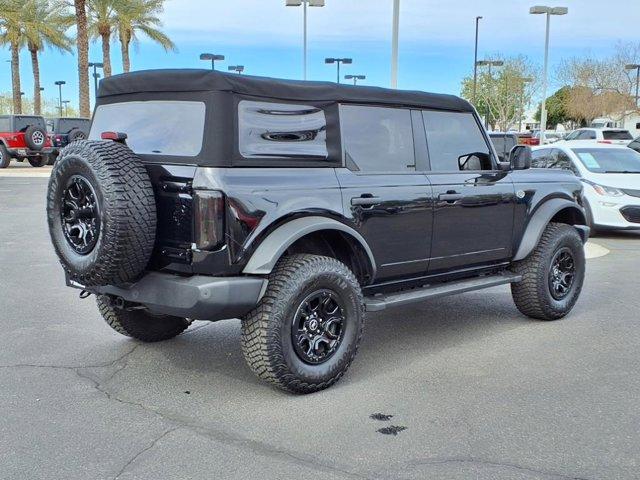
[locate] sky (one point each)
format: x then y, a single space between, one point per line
436 39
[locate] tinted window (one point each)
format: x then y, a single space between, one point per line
540 158
378 139
65 125
155 127
559 159
281 130
499 142
5 124
573 135
635 145
455 142
587 135
609 160
21 122
616 135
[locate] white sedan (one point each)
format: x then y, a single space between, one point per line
611 178
614 136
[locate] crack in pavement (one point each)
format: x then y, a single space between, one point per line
478 461
145 449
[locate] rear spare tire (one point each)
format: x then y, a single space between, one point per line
35 137
101 212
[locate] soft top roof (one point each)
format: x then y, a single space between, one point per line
197 80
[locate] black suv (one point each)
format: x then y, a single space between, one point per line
503 144
297 207
65 130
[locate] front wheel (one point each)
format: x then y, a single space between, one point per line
305 332
552 275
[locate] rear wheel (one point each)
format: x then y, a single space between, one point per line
5 159
305 332
39 161
138 324
552 275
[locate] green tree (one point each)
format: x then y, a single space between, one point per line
44 24
558 108
139 16
503 92
102 24
11 34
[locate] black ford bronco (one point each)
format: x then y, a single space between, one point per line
297 207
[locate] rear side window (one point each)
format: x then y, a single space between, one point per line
378 139
156 127
281 130
5 124
617 135
455 142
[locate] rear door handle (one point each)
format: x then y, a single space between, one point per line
365 201
450 197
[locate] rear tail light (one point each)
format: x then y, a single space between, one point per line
209 219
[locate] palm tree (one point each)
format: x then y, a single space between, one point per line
83 55
11 34
102 24
135 16
44 23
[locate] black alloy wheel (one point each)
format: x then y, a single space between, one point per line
80 215
562 273
318 327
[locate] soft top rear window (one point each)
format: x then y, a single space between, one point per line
65 125
155 127
616 135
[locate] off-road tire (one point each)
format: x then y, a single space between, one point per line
138 324
28 137
51 159
39 161
5 159
533 295
76 134
126 209
266 331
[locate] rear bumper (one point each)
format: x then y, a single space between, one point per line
26 153
197 297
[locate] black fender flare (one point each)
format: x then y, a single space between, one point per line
277 242
541 219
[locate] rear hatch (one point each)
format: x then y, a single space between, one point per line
168 136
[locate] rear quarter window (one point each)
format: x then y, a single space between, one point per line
155 127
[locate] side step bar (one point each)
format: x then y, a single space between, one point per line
381 302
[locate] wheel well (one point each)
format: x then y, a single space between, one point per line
338 245
570 216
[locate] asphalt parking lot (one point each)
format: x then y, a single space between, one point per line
473 389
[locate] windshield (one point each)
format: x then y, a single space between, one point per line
609 160
616 135
155 127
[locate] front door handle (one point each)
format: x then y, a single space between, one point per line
365 200
450 197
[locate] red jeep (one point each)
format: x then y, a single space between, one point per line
24 137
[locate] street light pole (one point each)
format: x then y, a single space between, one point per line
475 63
395 43
236 68
96 76
66 107
355 78
213 57
524 81
548 11
489 64
636 67
346 61
59 83
305 4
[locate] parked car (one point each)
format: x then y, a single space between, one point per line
63 131
550 136
635 145
614 136
297 207
503 143
23 137
611 176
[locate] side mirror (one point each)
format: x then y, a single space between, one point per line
520 157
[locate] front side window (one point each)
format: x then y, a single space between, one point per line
609 160
455 142
560 160
281 130
587 135
573 135
378 139
540 158
155 127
